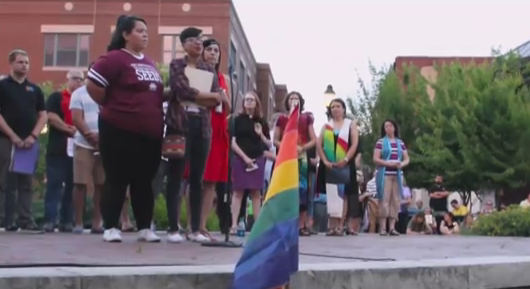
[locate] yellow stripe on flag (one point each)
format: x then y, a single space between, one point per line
285 178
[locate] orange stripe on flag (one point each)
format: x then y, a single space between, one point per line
289 141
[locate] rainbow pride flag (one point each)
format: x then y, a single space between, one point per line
270 255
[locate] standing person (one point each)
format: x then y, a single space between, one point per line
189 114
306 142
337 176
88 168
249 142
390 157
216 170
22 118
438 200
130 90
59 163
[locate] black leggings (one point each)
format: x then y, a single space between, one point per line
129 159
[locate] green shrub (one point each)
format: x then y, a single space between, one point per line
512 222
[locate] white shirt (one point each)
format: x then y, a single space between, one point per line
82 101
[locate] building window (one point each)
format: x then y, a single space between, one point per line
242 78
66 50
249 86
233 55
171 48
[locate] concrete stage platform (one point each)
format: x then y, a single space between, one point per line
57 261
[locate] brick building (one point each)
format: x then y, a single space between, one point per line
426 65
64 35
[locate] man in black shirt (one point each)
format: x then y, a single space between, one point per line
59 163
438 200
22 118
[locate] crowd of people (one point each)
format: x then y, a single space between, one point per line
124 132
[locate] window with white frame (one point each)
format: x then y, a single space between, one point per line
241 78
66 50
171 48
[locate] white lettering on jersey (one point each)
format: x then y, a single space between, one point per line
146 72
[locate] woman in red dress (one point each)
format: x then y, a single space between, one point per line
216 170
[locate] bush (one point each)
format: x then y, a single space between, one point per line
512 222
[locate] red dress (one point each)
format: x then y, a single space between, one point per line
216 169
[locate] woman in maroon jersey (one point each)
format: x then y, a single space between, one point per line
130 90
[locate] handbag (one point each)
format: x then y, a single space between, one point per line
174 146
338 176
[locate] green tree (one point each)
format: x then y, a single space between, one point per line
475 131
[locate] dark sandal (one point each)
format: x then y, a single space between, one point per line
304 232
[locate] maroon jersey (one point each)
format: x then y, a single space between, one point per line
306 119
134 92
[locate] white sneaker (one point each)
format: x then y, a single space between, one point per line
174 238
112 235
147 235
199 238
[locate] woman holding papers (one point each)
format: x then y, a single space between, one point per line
129 88
306 141
250 140
195 89
336 173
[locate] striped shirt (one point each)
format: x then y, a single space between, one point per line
82 101
371 188
393 153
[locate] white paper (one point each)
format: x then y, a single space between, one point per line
335 203
70 147
219 108
199 79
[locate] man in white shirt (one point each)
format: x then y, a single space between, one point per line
88 169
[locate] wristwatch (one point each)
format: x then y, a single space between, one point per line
34 136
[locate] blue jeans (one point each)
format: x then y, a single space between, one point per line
59 174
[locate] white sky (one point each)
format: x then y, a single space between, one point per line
312 43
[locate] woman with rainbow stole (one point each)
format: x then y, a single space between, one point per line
390 157
336 175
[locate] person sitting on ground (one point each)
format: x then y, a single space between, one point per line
449 226
525 203
430 220
418 225
458 209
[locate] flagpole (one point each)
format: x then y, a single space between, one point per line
227 200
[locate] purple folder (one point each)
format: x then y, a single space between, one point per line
24 161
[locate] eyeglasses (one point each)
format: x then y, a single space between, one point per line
199 39
250 99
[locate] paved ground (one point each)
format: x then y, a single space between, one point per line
17 249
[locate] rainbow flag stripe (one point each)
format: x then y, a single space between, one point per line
270 255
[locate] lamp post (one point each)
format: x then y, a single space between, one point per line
329 95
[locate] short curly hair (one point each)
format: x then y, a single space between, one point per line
286 100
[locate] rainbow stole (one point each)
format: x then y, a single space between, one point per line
335 153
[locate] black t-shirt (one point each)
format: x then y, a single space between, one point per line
247 138
438 205
56 138
20 104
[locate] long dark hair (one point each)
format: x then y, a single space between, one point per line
341 102
207 43
286 100
396 128
125 23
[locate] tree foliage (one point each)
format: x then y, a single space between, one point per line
474 131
